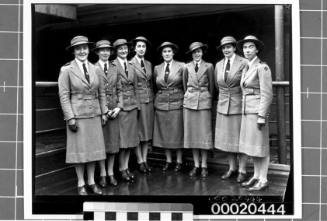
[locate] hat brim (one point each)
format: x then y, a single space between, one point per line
259 44
145 41
173 46
229 43
84 43
129 44
97 48
203 47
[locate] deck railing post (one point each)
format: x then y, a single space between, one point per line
279 57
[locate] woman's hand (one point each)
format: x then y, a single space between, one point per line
72 125
261 122
115 112
104 119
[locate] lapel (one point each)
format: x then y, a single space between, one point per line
220 74
148 69
120 69
251 70
102 71
202 69
78 73
161 73
137 65
173 71
234 69
92 74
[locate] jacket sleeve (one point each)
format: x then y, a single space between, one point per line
101 91
154 80
64 93
120 102
138 103
215 84
185 78
266 92
211 79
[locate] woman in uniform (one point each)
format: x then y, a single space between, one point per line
143 70
84 106
198 85
109 79
256 84
128 123
228 73
168 117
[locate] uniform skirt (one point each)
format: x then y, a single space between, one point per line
128 127
87 144
168 129
227 132
111 135
254 142
146 122
197 129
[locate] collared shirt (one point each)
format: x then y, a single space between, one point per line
231 60
102 64
80 65
121 61
199 63
252 61
170 62
139 59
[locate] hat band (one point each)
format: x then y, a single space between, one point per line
79 43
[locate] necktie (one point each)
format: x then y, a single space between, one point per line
196 68
142 66
167 72
126 71
105 69
227 69
87 77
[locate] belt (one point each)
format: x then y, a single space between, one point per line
192 89
169 90
231 90
250 91
84 96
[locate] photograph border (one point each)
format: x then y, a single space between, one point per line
296 102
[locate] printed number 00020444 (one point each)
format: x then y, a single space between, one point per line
247 209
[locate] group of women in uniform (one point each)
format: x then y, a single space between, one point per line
112 107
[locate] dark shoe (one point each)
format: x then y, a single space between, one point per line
250 182
195 171
167 166
131 175
178 167
147 167
142 168
259 186
124 176
112 180
95 189
103 181
204 172
82 191
228 174
241 177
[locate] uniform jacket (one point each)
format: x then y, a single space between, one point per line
144 87
78 98
128 86
112 86
169 95
230 95
256 84
198 86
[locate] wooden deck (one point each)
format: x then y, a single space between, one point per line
54 177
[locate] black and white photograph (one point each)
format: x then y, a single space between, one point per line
169 102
